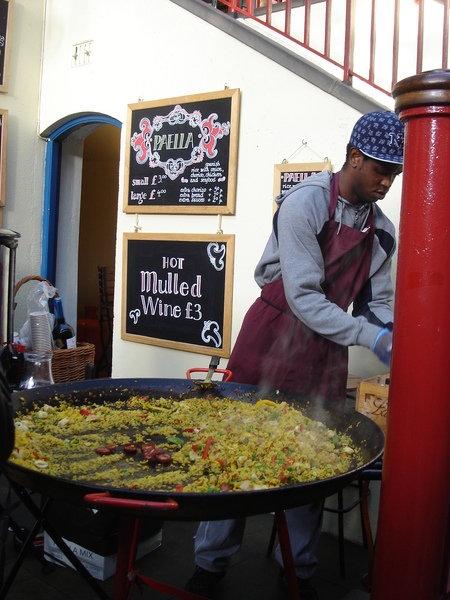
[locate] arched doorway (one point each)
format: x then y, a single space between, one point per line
80 207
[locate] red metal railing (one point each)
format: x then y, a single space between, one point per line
343 34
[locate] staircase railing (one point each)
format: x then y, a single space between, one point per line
364 42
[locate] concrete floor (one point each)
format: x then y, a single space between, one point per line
253 575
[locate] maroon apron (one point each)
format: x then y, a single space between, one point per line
275 349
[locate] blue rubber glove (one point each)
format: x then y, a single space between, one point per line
382 346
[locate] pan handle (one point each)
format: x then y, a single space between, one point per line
205 370
105 500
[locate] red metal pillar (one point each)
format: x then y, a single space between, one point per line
415 490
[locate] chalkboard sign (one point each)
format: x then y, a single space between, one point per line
177 291
6 15
287 175
3 139
181 154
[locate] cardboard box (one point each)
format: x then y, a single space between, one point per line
372 397
100 567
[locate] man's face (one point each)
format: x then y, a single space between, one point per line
372 178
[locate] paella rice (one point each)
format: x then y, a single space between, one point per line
191 445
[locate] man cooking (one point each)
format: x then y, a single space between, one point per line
331 246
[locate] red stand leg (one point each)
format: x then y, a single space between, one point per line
129 530
286 553
126 577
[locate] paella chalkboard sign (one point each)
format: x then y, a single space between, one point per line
181 154
177 291
6 16
287 175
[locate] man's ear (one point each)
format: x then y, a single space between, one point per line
355 158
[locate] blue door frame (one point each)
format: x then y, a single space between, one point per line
52 180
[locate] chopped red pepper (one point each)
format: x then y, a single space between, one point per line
189 430
85 412
207 447
179 487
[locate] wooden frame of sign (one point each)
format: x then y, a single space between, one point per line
3 141
177 291
6 22
181 154
286 175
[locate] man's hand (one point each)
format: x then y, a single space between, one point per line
382 346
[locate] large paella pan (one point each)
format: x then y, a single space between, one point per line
362 433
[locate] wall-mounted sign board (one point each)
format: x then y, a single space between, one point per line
6 22
177 291
286 175
181 154
3 141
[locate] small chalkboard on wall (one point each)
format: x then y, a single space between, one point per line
177 291
181 154
286 175
3 140
6 18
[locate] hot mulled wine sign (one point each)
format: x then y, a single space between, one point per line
177 291
181 154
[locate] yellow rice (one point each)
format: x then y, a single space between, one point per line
215 444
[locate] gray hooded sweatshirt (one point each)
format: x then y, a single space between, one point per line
293 253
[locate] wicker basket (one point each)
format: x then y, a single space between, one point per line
70 364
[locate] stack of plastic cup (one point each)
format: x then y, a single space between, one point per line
41 333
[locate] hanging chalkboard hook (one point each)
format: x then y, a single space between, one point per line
219 225
137 227
286 160
302 147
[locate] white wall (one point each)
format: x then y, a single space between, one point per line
66 277
25 150
155 50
